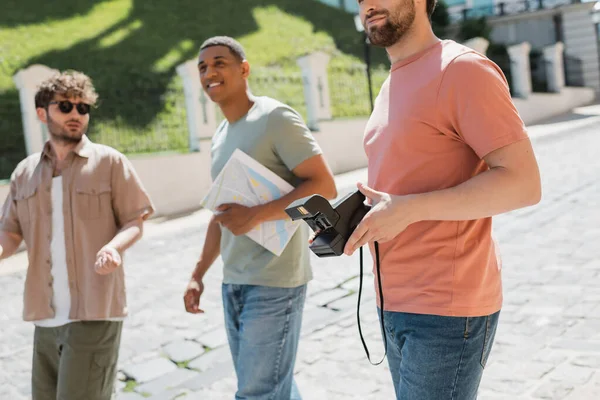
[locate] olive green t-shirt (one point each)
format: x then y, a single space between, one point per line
275 135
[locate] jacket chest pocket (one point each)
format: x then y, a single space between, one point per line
93 201
28 207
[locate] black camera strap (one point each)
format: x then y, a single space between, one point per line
380 303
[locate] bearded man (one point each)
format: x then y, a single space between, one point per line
78 206
447 151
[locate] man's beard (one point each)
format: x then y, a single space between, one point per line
63 135
394 27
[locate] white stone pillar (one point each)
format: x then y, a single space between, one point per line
201 111
555 72
478 44
520 69
27 81
316 87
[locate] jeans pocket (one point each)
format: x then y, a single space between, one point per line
488 339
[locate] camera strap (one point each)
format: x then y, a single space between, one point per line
378 267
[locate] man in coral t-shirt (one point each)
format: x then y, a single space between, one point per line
446 151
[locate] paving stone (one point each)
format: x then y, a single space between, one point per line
314 287
149 370
211 358
218 371
571 374
553 391
506 386
327 296
578 345
549 333
308 390
553 357
167 381
129 396
585 329
215 338
590 390
345 303
589 361
527 370
8 392
354 387
181 351
325 333
347 323
309 351
319 318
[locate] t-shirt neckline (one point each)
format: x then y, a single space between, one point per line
416 56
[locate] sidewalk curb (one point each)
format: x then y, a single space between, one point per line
553 133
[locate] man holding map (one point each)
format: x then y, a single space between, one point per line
261 145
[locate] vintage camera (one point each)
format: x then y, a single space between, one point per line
334 224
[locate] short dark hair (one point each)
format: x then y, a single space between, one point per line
431 7
233 45
69 84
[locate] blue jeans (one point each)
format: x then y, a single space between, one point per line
435 357
263 327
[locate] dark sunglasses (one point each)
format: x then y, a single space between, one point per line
66 107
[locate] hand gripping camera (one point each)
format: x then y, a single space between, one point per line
333 224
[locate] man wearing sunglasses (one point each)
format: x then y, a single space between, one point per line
78 206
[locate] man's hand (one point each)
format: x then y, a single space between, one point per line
388 217
9 243
191 298
237 218
107 260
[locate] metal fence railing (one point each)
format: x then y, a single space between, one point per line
285 86
573 71
349 89
168 130
538 65
151 120
133 133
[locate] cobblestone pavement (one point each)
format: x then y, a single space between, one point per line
548 340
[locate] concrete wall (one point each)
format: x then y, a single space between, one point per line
341 141
540 106
177 182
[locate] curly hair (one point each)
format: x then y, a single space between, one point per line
70 84
233 45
